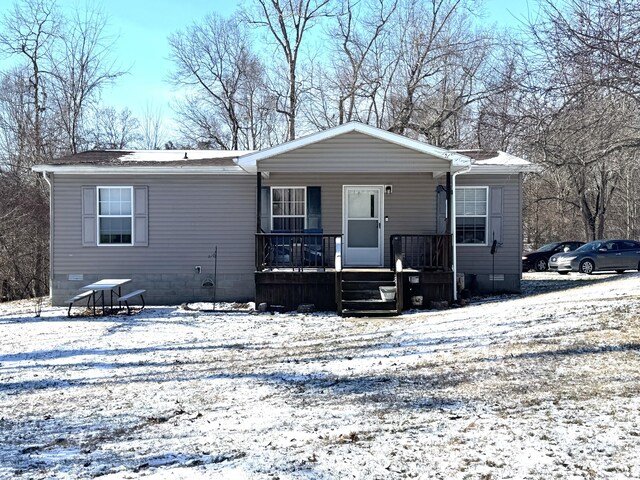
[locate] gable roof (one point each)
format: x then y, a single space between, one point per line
246 161
250 161
135 161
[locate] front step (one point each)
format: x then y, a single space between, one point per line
369 313
360 292
368 275
366 285
368 304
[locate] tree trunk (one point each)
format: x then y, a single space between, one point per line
293 100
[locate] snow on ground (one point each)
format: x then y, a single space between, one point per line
542 385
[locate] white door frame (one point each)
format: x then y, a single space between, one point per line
350 262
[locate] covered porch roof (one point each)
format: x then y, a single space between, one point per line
354 147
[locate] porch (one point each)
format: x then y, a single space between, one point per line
307 268
389 200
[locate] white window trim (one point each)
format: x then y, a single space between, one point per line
486 219
304 215
98 216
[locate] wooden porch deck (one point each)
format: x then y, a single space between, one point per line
287 290
294 269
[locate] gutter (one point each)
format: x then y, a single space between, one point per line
505 169
453 230
139 170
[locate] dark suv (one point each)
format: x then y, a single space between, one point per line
539 260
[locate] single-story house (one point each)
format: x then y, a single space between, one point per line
326 219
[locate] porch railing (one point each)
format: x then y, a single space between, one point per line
295 251
422 252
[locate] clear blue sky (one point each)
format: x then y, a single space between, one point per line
142 27
142 48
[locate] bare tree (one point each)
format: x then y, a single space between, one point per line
29 31
444 65
214 61
625 213
16 120
607 34
288 23
80 68
24 237
582 105
413 67
113 129
258 117
361 28
500 117
200 125
152 128
59 69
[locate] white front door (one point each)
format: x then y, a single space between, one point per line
362 226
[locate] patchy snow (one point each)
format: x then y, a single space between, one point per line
542 385
175 155
503 158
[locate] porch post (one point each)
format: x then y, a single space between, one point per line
258 202
449 198
452 221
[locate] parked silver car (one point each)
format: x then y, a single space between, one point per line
618 255
539 259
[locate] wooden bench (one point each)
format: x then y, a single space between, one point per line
125 298
80 296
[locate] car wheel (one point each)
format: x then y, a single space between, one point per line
587 266
541 265
563 273
619 271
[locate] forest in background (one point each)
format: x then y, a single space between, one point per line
561 90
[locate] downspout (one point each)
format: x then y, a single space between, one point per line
46 179
453 230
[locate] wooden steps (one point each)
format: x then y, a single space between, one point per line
360 296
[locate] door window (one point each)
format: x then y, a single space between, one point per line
362 222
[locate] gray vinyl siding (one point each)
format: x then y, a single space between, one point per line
411 207
353 152
188 216
477 260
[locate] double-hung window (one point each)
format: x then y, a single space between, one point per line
288 208
471 215
115 215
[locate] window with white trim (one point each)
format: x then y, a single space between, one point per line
288 208
471 215
115 215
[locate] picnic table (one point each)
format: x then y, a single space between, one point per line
107 284
114 287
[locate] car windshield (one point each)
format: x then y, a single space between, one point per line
589 247
548 247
